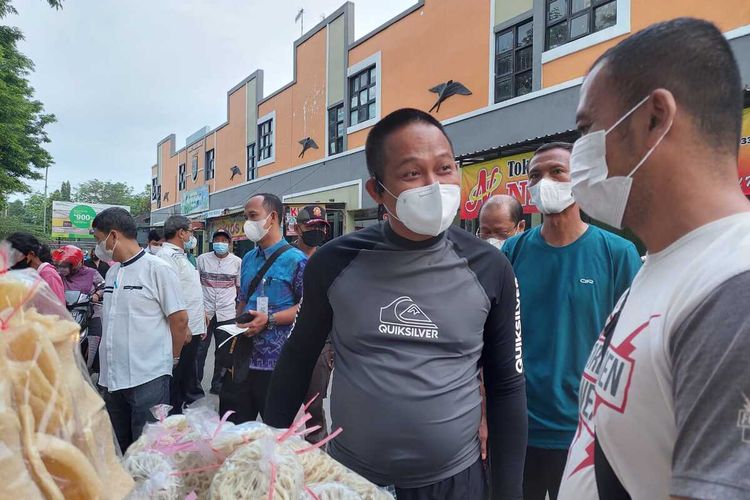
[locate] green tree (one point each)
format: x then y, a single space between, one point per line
65 191
22 118
106 192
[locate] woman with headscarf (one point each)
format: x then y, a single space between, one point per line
37 256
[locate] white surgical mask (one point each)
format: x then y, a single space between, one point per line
427 210
551 197
102 252
603 198
191 243
495 242
255 230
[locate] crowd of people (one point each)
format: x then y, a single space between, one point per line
536 363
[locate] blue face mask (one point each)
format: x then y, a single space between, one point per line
221 248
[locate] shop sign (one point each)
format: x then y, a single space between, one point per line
290 219
195 201
73 220
233 224
504 175
744 162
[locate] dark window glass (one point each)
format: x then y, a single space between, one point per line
252 166
209 169
579 26
572 19
605 16
336 130
362 96
265 140
513 64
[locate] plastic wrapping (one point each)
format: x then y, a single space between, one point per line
329 491
57 439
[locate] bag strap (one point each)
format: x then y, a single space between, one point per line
609 329
263 270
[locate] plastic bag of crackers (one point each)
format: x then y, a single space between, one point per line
200 456
57 441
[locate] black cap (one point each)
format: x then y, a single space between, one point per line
222 232
312 214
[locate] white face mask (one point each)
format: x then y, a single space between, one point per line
495 242
255 230
551 197
427 210
153 249
191 243
102 252
603 198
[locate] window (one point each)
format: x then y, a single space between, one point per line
252 165
158 196
154 194
210 164
336 129
181 178
265 140
513 61
363 96
567 20
194 168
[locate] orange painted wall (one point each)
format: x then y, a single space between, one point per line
300 109
731 14
230 144
168 176
442 41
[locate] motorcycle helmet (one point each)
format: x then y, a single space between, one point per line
67 258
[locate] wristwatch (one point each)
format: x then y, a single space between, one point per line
271 322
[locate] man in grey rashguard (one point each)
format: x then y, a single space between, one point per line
408 348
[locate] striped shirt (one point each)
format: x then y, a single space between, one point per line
219 280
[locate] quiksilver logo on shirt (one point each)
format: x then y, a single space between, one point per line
403 317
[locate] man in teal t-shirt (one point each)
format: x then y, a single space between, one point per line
570 276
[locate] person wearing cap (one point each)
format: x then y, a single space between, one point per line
219 271
75 276
313 230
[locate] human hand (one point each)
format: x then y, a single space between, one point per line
189 336
257 325
204 336
483 434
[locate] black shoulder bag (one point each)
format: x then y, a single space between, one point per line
234 355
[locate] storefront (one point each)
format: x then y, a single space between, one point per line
194 205
231 220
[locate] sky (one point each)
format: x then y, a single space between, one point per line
122 75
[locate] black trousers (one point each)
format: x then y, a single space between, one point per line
247 398
470 484
319 385
200 361
184 377
543 473
130 409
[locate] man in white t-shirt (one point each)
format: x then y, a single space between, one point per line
178 237
144 326
664 409
220 278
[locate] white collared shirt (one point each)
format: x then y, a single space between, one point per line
190 285
136 346
220 279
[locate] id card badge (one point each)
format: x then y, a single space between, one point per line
262 304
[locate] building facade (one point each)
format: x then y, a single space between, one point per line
514 69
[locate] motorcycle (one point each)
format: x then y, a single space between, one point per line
81 308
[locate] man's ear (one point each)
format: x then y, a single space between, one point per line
374 190
522 226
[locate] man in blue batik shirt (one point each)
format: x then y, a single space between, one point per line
273 305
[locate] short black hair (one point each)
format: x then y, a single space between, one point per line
154 235
567 146
174 224
44 253
25 243
693 60
117 219
375 147
272 203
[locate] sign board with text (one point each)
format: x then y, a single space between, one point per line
744 161
504 175
195 201
73 220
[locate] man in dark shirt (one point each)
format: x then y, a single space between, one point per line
414 307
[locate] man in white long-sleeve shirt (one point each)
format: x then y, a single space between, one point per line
179 237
